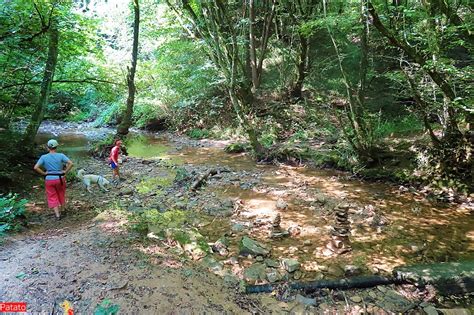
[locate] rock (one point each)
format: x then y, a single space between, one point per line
356 299
231 281
352 270
237 227
294 230
127 191
281 204
307 243
279 234
290 265
249 246
220 246
259 258
231 261
297 275
335 271
430 310
271 263
213 265
274 276
304 300
373 295
255 272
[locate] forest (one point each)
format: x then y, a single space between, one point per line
281 145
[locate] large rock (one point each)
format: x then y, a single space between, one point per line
447 278
290 265
249 246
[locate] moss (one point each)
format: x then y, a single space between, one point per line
155 183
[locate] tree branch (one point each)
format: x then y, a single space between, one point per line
87 80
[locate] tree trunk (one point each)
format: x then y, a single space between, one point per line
38 114
302 68
127 115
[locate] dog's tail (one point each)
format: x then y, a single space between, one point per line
80 174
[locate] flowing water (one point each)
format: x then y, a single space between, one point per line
415 229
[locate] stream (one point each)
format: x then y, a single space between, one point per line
389 225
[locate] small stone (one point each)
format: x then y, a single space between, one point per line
281 204
304 300
335 271
259 258
373 295
294 230
352 270
237 227
274 276
271 263
290 265
307 243
356 299
430 310
297 275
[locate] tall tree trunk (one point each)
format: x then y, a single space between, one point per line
127 115
50 67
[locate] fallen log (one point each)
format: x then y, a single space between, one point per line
341 284
448 278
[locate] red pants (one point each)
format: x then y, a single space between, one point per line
56 192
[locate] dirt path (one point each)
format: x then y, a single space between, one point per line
97 261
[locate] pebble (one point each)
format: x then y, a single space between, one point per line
356 299
304 300
307 243
297 275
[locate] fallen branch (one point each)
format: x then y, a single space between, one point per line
198 182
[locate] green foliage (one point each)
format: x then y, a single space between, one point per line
198 133
237 147
11 209
181 175
106 307
400 126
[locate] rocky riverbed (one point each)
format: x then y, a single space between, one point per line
241 224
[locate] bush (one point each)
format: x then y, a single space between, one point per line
11 209
198 133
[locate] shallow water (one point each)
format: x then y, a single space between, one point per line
417 231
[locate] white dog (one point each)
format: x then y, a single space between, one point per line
89 179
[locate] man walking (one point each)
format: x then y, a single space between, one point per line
54 166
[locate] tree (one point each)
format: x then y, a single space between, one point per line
38 113
237 42
126 122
